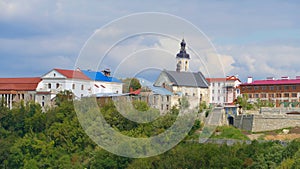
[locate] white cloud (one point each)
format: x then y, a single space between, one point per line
261 61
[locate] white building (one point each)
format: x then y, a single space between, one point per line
103 83
223 90
58 80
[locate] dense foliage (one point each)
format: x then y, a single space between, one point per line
131 84
32 139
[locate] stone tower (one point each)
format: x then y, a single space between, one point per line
182 58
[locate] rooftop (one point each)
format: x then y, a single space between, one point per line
191 79
19 84
99 76
72 74
273 82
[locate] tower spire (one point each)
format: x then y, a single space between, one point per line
182 58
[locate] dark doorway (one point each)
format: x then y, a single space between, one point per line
230 120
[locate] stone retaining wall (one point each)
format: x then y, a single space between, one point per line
266 122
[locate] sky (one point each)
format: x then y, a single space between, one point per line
251 37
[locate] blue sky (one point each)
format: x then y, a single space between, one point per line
253 38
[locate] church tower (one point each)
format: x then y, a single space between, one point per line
182 58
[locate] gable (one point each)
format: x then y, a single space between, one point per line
53 74
162 79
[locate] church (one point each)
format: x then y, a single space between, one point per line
182 82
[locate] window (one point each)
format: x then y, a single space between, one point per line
213 84
219 91
43 104
263 88
278 95
194 94
82 87
162 107
49 85
73 86
186 94
213 91
278 87
250 95
271 95
264 95
286 87
168 99
286 95
43 97
54 75
271 87
219 84
57 85
213 98
256 95
218 98
294 94
256 87
294 87
167 107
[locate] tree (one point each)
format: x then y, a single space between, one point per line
131 83
243 101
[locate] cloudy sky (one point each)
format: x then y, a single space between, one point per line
252 38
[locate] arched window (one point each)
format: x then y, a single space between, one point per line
57 85
49 85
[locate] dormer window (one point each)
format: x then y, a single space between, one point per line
54 75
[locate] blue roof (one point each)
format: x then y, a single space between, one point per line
99 76
154 89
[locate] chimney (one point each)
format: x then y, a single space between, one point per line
285 78
106 72
270 78
250 79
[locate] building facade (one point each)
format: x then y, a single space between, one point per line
13 90
58 80
223 91
281 92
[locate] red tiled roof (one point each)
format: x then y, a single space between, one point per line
216 79
220 79
19 84
72 74
274 82
233 78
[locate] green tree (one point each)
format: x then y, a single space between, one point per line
131 83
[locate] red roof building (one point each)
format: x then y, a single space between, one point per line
19 84
278 91
13 90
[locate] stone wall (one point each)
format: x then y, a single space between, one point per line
266 122
244 122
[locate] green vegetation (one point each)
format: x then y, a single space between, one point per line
131 83
55 139
243 101
229 132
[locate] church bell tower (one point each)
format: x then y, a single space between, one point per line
182 58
